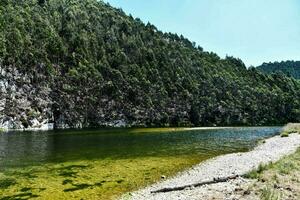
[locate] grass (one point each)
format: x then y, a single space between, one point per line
269 194
256 174
280 180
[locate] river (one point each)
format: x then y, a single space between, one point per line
105 163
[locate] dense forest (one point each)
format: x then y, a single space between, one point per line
86 64
289 68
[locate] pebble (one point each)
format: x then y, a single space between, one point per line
223 166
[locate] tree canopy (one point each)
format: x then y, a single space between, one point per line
289 68
102 65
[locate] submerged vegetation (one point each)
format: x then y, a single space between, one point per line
104 165
87 64
88 179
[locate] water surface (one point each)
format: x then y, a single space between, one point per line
102 164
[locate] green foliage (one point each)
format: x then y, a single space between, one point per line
269 194
41 2
102 65
284 134
292 128
255 174
279 180
286 167
290 68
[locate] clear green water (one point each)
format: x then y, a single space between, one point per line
103 164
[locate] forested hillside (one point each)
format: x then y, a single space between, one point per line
86 64
290 68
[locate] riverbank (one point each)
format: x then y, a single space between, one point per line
280 180
271 150
50 127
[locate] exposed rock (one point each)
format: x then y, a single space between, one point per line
116 123
31 98
23 105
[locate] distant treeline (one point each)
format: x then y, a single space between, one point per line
289 68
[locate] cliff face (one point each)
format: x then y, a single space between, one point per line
28 102
72 63
23 104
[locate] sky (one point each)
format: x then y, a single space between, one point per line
256 31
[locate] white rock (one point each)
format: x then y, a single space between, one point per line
35 123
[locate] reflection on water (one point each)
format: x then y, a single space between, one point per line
34 148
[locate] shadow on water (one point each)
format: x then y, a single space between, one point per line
23 196
7 182
70 171
30 174
76 187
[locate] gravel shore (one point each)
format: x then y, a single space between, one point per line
223 166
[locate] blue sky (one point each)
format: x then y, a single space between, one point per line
256 31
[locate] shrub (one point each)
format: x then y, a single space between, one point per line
285 134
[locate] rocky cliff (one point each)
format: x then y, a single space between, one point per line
73 64
23 104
